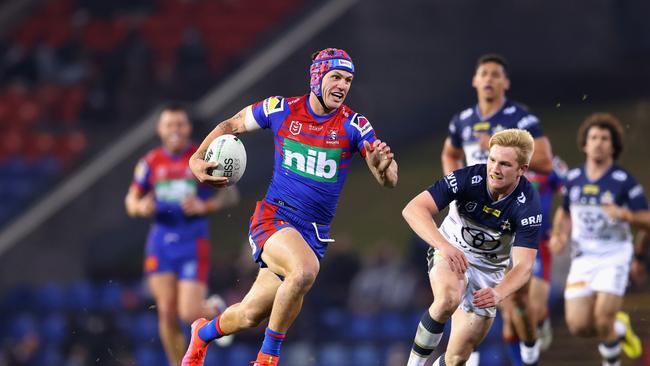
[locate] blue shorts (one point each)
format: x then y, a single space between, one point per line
270 218
188 258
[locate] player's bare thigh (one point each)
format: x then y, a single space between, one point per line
579 315
448 288
467 331
287 254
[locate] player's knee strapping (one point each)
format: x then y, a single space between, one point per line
428 335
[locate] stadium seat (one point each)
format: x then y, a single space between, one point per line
50 298
81 297
54 329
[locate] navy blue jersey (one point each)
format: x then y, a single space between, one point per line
481 227
592 229
465 127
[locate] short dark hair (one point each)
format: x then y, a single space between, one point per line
174 107
606 121
496 58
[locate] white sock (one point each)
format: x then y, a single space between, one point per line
620 328
610 353
440 361
427 337
529 355
474 359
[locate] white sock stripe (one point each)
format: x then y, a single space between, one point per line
609 352
426 339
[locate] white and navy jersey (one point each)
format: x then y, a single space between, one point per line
485 229
465 127
593 231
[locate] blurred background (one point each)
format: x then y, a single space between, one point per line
80 84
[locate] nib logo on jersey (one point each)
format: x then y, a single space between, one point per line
317 163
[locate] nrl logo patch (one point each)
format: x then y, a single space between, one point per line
295 127
521 198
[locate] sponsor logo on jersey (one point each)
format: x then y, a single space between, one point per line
607 198
476 179
527 122
481 126
492 211
479 239
361 123
272 105
590 189
635 192
510 110
521 198
532 220
619 175
295 127
317 163
452 182
466 113
140 172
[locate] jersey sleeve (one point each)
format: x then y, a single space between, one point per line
264 111
454 133
448 188
361 130
529 225
636 199
141 176
530 122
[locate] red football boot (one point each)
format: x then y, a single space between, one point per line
195 355
266 360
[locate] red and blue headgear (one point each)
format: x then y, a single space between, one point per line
325 61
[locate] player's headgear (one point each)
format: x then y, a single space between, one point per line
325 61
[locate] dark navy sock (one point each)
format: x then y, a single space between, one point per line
272 342
211 330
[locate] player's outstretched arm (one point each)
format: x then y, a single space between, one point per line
419 215
241 122
542 160
451 157
381 162
561 231
523 260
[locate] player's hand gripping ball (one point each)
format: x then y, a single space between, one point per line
229 153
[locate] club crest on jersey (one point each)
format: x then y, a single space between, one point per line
295 127
332 137
361 123
272 105
505 226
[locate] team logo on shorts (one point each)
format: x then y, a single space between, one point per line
295 127
480 239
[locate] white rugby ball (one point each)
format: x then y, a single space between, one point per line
229 153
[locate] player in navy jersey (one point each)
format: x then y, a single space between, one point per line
469 133
177 252
494 218
601 201
315 136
